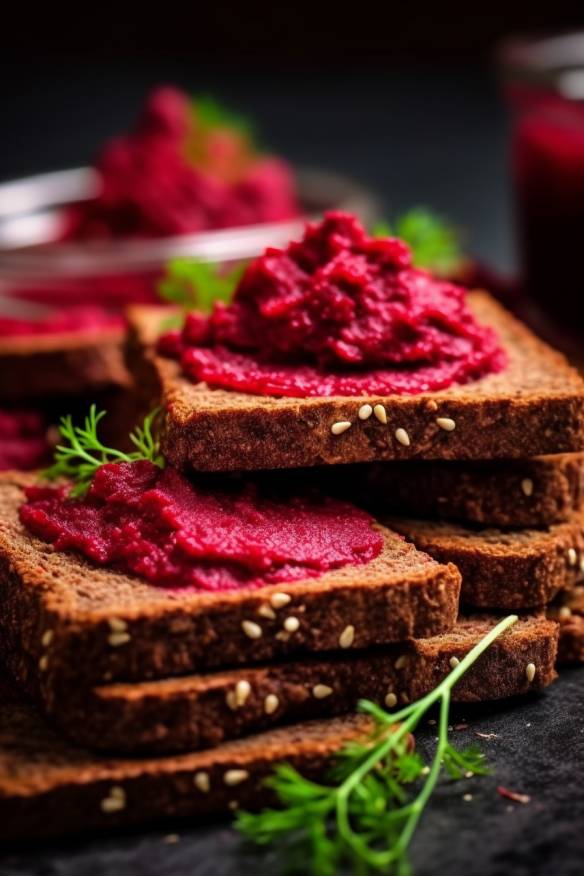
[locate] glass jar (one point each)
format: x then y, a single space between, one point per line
544 86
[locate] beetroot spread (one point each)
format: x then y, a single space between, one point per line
23 440
56 321
338 313
179 173
156 524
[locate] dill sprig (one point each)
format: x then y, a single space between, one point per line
81 452
379 789
194 285
434 242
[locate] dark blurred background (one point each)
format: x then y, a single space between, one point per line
402 96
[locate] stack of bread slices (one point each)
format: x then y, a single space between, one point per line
151 703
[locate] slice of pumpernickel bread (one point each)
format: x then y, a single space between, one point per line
514 570
569 611
50 787
521 492
62 364
64 620
535 406
199 711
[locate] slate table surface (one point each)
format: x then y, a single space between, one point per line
415 136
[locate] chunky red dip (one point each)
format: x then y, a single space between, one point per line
57 321
156 524
338 313
23 440
177 173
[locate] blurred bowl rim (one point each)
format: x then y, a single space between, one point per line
30 207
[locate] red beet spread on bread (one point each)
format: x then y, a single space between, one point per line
158 525
338 313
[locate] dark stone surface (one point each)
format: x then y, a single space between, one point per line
537 749
416 136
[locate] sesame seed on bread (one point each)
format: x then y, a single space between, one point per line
515 569
199 711
499 492
65 621
535 406
50 787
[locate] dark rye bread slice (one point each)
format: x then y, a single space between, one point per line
65 621
204 710
569 611
520 492
510 570
50 787
535 406
62 364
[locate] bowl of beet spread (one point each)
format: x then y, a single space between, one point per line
176 533
187 180
337 313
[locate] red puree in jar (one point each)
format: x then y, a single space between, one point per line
338 313
156 524
548 165
177 173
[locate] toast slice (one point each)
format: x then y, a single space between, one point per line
199 711
513 570
519 493
68 364
65 621
49 787
535 406
569 611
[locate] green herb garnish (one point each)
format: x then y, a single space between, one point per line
81 452
368 814
196 285
211 114
435 244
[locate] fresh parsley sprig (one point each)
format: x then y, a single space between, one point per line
81 452
194 285
368 814
434 242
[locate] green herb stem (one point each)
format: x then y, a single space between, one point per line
366 817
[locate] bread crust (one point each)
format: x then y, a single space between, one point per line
518 493
61 365
534 407
569 612
402 593
510 570
49 787
204 710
